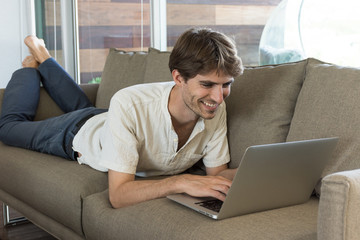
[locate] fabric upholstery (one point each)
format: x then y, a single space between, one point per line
51 185
164 219
339 207
328 106
157 68
261 105
259 110
70 200
43 221
123 69
25 175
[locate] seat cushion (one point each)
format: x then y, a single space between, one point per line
51 185
164 219
261 106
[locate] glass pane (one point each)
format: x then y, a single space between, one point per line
330 31
48 26
243 20
321 29
280 40
121 24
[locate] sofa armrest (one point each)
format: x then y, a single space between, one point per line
90 91
339 206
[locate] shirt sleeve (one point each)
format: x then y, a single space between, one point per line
217 150
118 140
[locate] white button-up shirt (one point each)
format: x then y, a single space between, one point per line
136 136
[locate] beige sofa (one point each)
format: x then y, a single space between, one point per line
302 100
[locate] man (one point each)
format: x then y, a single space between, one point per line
149 130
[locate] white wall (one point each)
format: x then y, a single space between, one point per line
14 25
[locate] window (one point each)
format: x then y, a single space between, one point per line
135 25
48 26
102 25
95 26
55 24
242 20
326 30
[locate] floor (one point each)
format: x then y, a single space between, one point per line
21 231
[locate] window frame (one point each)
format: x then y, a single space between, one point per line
70 32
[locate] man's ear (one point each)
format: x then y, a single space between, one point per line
178 79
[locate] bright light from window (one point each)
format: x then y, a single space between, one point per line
330 30
324 29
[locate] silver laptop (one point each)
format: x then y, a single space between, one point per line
268 177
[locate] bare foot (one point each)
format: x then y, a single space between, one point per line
30 62
37 48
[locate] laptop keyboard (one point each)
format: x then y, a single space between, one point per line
213 205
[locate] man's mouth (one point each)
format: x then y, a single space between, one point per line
210 105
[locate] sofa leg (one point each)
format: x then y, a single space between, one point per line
6 217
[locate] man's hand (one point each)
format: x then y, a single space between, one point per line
204 186
125 191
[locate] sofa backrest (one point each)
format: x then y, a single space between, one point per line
294 101
329 105
123 69
260 106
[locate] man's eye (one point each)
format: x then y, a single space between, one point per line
227 85
207 85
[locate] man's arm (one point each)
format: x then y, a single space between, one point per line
125 191
223 171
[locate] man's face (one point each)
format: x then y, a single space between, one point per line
204 93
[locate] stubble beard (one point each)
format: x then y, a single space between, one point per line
198 110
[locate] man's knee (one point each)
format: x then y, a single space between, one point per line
9 130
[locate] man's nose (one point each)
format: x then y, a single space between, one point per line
218 94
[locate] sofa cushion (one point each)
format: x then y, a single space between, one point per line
328 105
51 185
158 218
157 66
261 105
123 69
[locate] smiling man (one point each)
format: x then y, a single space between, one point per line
149 130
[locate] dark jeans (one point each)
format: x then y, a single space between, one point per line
54 135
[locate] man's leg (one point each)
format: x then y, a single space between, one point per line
21 96
52 136
59 84
20 102
17 128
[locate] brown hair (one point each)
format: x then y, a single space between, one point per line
201 51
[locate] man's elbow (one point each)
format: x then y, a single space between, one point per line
114 202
